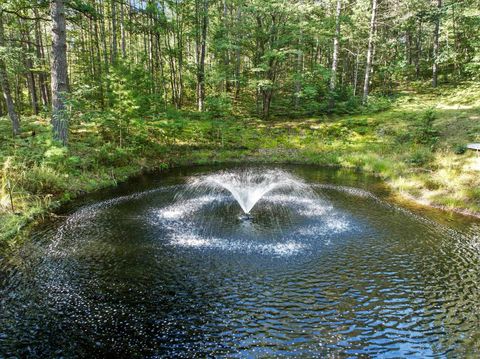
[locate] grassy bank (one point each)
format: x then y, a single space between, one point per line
417 146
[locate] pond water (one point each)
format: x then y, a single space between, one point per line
163 266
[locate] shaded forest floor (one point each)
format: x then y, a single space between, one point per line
417 146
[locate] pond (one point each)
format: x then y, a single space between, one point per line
169 265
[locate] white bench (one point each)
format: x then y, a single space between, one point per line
474 147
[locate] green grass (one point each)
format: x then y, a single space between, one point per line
417 146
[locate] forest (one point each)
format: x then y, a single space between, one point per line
96 91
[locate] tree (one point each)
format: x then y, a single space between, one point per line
258 56
59 72
436 44
202 20
12 113
371 45
336 42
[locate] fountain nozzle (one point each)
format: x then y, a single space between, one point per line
246 217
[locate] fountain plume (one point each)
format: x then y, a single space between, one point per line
248 187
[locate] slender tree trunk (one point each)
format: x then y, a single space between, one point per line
201 60
59 72
355 74
12 113
336 45
238 56
298 82
371 44
114 32
418 52
225 52
455 43
32 88
122 31
103 35
42 80
436 45
99 66
299 65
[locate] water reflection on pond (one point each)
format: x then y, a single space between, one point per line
156 269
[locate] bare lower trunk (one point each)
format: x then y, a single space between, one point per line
6 86
267 100
32 88
114 32
299 65
201 58
122 32
8 99
336 45
355 75
298 83
418 55
59 72
371 44
42 78
238 58
436 46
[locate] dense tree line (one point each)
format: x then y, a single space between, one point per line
264 56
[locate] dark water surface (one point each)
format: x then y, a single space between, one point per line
139 272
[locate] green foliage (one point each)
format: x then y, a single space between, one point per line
423 131
43 180
459 149
420 157
219 106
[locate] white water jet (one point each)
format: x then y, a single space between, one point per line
290 213
247 186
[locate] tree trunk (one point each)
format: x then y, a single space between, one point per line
201 57
371 44
436 45
122 32
336 43
298 83
267 101
225 53
42 78
32 88
299 65
355 75
418 55
336 46
59 72
6 85
238 55
114 32
99 66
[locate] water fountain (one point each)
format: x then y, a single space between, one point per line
249 186
277 212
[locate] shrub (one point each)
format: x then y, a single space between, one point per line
218 106
423 131
459 149
111 155
420 157
42 180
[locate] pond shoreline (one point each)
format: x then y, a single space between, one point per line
49 212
